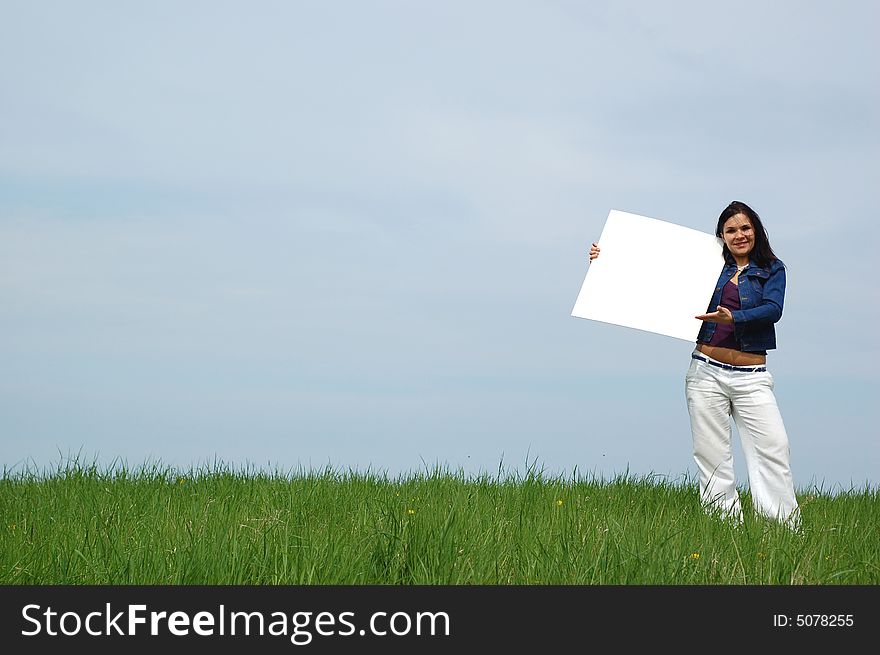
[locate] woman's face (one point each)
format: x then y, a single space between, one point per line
739 235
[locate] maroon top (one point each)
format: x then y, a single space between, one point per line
723 335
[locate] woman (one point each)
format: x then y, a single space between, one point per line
728 375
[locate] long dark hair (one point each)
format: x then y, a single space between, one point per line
762 253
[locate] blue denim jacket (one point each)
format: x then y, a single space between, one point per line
761 293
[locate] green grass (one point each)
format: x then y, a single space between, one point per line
81 525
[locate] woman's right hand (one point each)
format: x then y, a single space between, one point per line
594 251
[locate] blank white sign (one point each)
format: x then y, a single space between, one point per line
651 275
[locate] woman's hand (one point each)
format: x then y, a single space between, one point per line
594 251
722 315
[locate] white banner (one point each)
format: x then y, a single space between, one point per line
651 275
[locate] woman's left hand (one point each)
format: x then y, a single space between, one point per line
723 315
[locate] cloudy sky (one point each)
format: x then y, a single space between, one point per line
300 234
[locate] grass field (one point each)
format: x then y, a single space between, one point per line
82 525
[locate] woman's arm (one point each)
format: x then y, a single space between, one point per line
769 310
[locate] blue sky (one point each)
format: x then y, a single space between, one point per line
299 234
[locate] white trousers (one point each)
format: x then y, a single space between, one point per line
714 395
